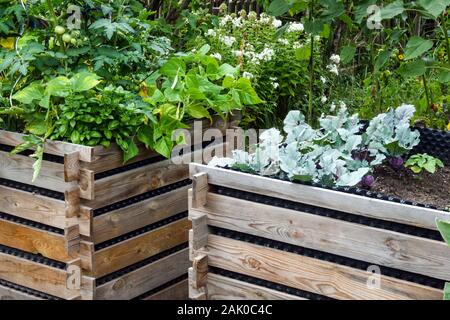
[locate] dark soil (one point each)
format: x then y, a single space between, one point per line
426 188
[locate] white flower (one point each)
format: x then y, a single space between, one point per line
224 21
322 78
284 41
342 105
335 58
276 23
218 56
324 99
266 55
264 18
248 75
237 23
238 53
296 27
228 41
317 38
333 69
297 45
211 33
275 85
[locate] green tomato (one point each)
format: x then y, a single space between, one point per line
75 34
60 30
66 38
73 41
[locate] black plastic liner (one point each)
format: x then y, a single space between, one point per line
47 157
140 264
141 197
329 213
140 231
268 284
32 257
142 163
128 167
28 291
162 287
435 143
29 223
32 189
324 256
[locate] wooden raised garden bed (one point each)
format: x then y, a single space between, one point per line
254 237
125 226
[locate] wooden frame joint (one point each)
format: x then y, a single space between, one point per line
199 189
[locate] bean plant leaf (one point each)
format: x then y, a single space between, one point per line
391 10
412 69
434 7
131 152
347 54
444 229
59 87
416 47
279 7
84 81
381 60
29 94
443 76
37 165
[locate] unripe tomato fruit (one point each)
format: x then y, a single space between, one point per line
66 38
60 30
73 41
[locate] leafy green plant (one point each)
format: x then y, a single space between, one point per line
112 80
420 162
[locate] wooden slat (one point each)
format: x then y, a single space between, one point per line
134 182
223 288
20 168
125 253
12 294
379 246
34 207
145 278
308 274
50 245
138 215
178 291
359 205
35 276
106 159
51 147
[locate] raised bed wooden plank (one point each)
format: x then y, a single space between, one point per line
223 288
304 273
133 250
56 148
106 159
20 168
134 182
411 215
36 241
7 293
36 276
178 291
138 215
378 246
34 207
145 278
